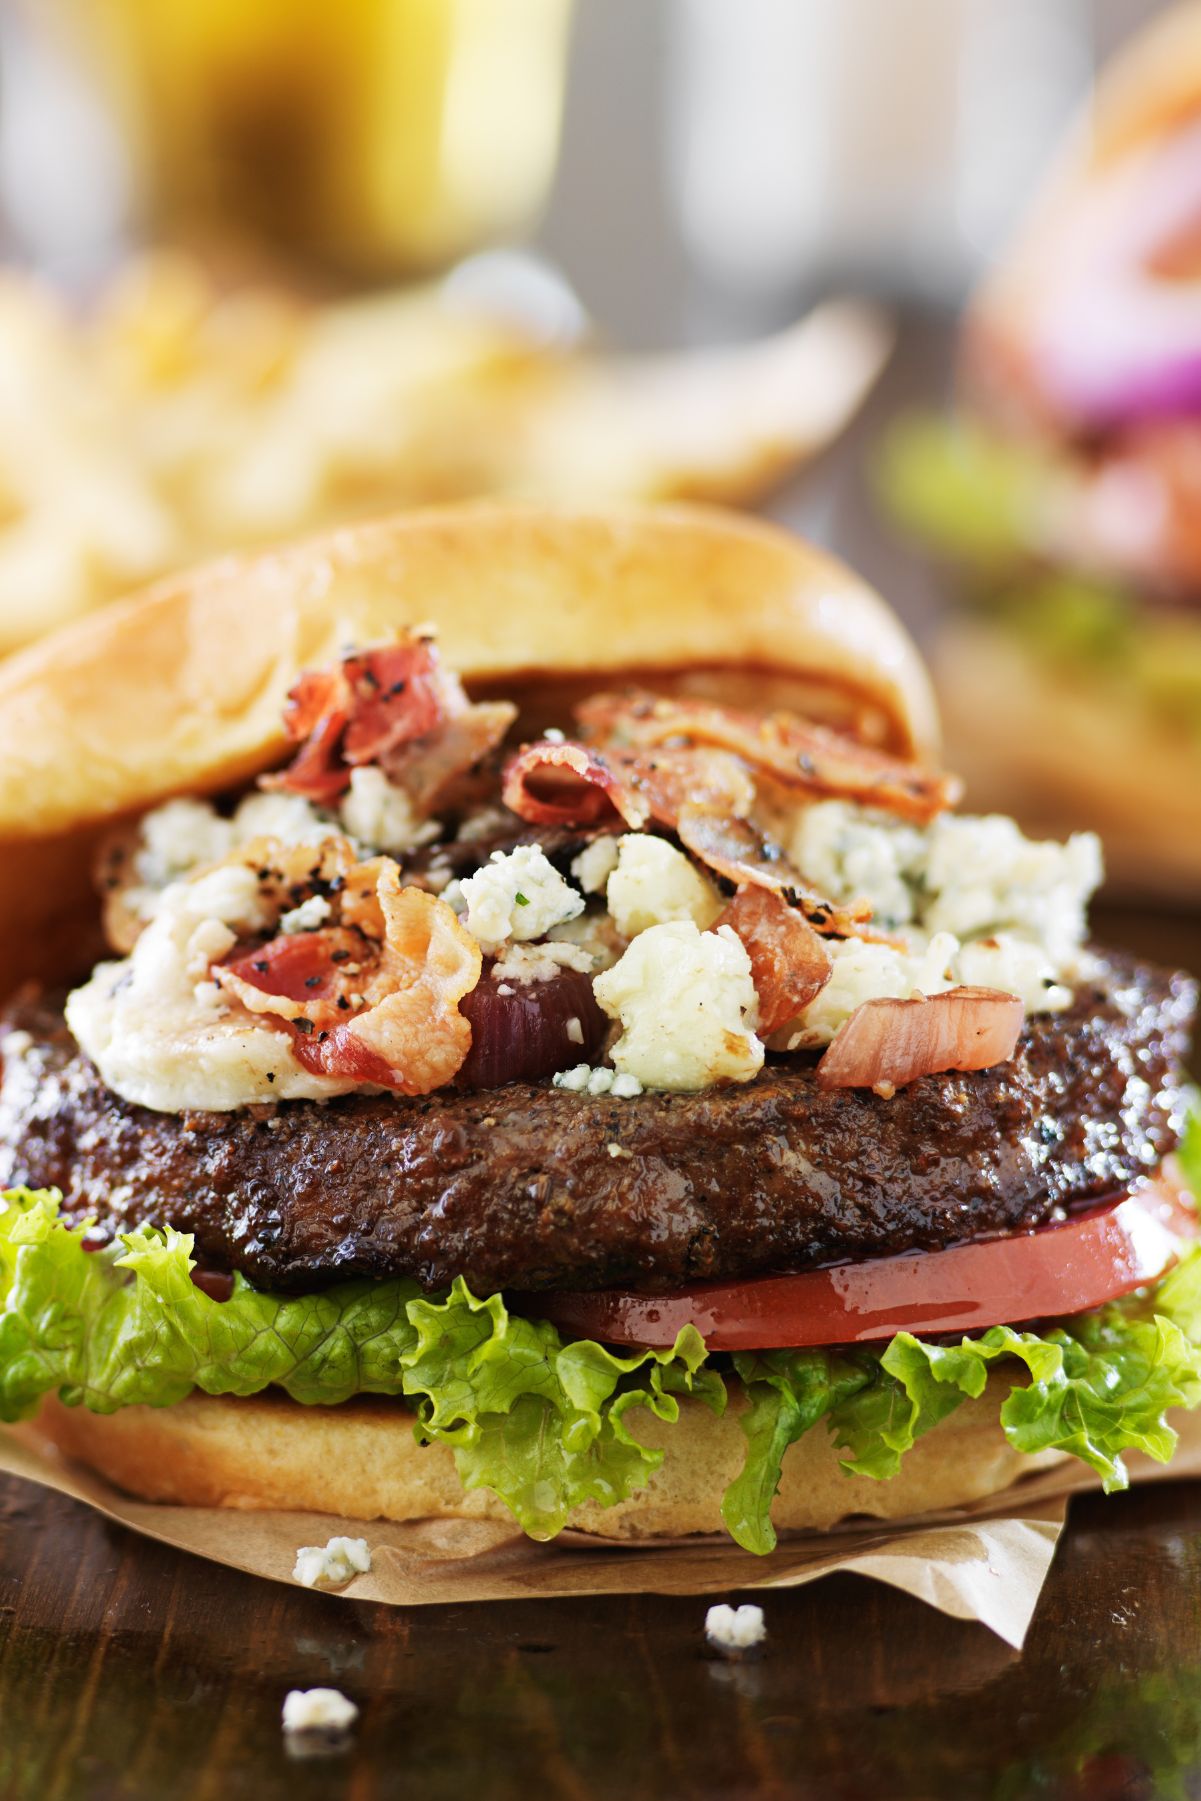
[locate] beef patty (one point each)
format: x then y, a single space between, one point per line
532 1187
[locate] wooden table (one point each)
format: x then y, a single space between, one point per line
131 1671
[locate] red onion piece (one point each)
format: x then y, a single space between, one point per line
523 1035
888 1043
1116 334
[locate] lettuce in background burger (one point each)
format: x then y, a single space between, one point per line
1068 491
557 1049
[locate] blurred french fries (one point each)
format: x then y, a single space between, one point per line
174 421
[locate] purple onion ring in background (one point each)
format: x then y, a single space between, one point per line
1115 339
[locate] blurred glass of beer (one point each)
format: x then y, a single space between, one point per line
376 136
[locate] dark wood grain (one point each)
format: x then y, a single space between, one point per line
128 1670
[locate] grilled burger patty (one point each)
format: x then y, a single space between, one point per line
531 1187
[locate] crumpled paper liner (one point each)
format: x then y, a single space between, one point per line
987 1562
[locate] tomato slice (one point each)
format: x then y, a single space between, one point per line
1054 1271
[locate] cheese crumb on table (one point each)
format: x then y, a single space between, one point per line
333 1564
735 1628
318 1710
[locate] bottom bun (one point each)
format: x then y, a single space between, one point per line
1064 750
361 1461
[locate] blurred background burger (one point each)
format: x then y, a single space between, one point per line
1067 492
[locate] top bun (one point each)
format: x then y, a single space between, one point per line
182 688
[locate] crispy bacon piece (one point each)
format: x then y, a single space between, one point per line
789 963
886 1044
432 770
395 706
781 745
567 784
703 795
317 771
555 784
375 999
396 693
374 701
736 849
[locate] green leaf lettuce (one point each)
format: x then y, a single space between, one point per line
541 1423
547 1425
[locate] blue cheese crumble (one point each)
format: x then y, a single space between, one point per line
687 1006
333 1564
583 1079
519 895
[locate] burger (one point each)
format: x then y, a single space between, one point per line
556 1051
1067 490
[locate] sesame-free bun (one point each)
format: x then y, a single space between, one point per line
181 689
360 1461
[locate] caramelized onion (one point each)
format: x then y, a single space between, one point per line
521 1032
887 1043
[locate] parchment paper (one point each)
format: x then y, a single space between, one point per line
986 1563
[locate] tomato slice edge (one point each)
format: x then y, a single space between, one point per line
1057 1270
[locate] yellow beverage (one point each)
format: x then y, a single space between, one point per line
376 134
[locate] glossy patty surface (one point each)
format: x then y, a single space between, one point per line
533 1187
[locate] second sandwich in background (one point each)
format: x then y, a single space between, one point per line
1068 492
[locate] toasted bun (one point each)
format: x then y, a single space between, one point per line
361 1461
182 688
1064 752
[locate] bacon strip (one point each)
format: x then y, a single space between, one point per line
887 1043
554 784
397 693
789 963
396 706
429 769
700 794
736 849
791 750
375 999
